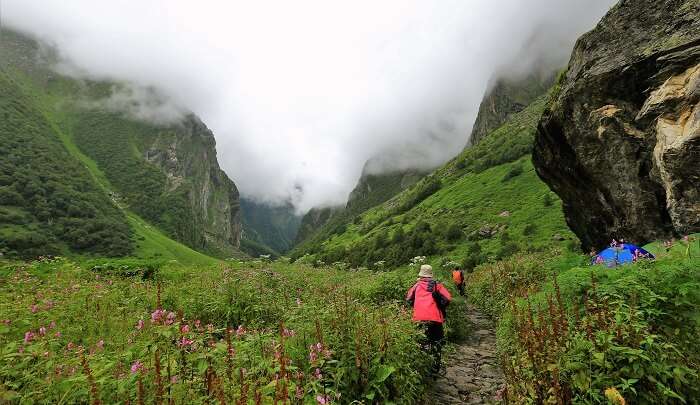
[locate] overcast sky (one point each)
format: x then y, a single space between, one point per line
300 94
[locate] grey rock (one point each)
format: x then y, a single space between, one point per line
620 140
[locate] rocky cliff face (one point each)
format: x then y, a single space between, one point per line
187 155
620 143
508 96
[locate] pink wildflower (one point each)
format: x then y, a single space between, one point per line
185 328
57 334
198 324
157 315
139 324
240 331
52 325
323 399
28 336
20 350
42 331
317 373
50 304
35 308
136 367
288 332
500 394
170 319
184 342
6 321
298 301
173 379
313 356
70 346
299 392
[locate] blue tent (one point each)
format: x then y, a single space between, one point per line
619 254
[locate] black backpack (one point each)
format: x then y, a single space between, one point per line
440 300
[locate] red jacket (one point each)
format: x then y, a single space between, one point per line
425 308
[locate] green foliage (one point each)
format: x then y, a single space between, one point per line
423 190
454 232
513 172
48 202
144 269
547 200
256 249
633 328
347 332
530 229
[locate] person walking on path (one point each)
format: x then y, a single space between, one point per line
429 300
458 278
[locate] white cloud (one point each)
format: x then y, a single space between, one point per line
301 94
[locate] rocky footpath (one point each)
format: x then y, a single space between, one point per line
620 141
473 374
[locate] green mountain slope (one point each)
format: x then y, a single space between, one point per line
161 180
371 190
272 226
48 201
485 203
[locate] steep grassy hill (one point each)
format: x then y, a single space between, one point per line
48 201
371 190
485 203
97 182
165 174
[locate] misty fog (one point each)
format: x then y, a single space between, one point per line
301 94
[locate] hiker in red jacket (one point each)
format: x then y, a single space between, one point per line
429 300
458 278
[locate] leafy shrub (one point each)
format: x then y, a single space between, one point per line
513 172
454 232
144 269
529 229
423 190
592 329
547 200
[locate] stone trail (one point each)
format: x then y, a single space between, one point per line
473 373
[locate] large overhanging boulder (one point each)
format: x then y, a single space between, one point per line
620 142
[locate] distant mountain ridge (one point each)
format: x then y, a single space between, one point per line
371 190
274 227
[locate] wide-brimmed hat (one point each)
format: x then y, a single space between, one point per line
426 270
